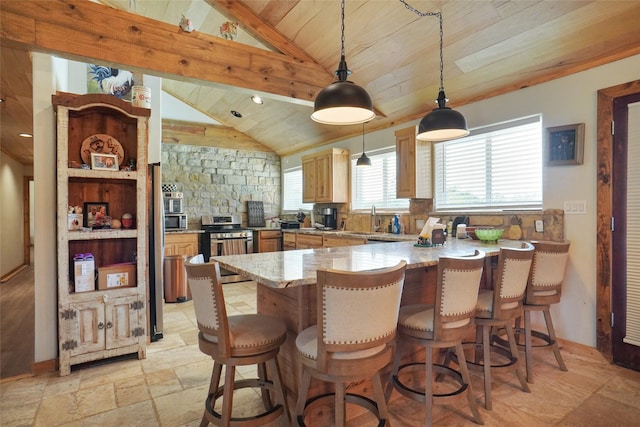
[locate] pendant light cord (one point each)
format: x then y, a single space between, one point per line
342 32
422 15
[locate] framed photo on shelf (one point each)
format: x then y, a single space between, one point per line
564 145
94 212
101 161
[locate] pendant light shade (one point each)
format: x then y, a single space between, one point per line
342 102
442 123
363 160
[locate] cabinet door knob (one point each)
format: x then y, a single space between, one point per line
100 325
109 325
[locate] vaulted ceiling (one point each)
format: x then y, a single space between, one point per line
287 50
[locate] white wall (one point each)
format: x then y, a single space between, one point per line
564 101
11 214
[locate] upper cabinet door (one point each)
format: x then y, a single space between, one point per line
413 166
325 176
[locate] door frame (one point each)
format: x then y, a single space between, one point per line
604 196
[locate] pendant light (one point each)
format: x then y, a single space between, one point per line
363 160
442 123
342 102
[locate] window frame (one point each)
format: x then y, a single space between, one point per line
488 138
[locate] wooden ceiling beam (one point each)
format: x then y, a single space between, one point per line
77 29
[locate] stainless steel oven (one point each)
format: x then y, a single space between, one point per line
224 235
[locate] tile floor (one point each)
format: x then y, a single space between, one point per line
168 388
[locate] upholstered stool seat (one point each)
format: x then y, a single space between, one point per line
441 325
231 341
353 339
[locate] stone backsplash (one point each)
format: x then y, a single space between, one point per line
420 210
219 181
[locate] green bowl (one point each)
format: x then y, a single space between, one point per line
489 234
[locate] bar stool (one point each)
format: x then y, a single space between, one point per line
543 289
231 341
353 339
441 325
496 310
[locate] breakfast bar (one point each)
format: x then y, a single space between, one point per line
286 280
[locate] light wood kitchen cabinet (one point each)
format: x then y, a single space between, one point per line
181 244
413 166
107 317
325 176
288 241
267 240
329 241
308 241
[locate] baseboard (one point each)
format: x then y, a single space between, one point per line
10 275
44 367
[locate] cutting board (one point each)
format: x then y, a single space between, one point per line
256 214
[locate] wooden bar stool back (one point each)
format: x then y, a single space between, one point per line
441 325
353 339
496 310
231 341
544 289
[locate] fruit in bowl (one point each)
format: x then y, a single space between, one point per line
489 234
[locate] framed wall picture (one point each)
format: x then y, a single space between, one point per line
94 212
564 145
101 161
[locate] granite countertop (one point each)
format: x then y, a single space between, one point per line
369 235
190 231
298 267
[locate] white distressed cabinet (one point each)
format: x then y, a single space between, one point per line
95 323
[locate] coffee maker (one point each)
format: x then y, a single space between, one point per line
329 217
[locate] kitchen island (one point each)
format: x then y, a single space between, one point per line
286 280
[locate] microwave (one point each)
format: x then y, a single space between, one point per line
175 222
173 203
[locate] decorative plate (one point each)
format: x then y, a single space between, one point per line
102 144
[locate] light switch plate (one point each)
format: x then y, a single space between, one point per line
539 226
575 207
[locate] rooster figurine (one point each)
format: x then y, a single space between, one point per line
112 80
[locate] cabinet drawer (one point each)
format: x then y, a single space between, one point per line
307 241
270 234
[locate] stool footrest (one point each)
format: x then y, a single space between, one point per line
265 417
356 399
419 395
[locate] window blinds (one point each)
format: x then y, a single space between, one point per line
497 167
633 227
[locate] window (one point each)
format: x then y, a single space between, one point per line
292 191
497 167
376 184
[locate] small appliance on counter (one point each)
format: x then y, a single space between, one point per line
329 218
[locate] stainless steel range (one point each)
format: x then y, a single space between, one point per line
224 235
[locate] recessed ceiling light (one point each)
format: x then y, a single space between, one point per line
25 135
236 114
257 99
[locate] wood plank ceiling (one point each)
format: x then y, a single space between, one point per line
490 48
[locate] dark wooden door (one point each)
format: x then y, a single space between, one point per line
623 353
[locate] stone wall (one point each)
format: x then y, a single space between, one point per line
219 181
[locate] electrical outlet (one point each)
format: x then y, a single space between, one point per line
539 226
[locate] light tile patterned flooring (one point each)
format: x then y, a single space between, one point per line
168 388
